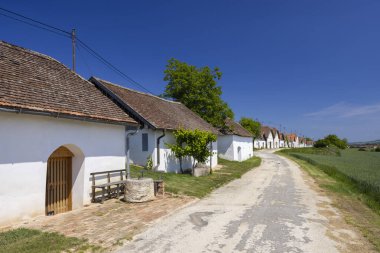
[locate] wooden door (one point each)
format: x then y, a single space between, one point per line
58 182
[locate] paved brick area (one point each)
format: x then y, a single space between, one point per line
109 224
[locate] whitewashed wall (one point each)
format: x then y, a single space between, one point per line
226 147
276 141
269 142
137 155
282 143
168 161
246 146
259 144
26 143
229 145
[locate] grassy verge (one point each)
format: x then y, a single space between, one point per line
358 208
24 240
351 170
186 184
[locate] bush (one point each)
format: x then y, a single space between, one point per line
362 149
149 163
192 143
377 149
321 144
331 140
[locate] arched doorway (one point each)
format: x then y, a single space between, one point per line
58 182
239 154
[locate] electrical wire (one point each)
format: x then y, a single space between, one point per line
110 65
34 25
36 21
89 69
58 31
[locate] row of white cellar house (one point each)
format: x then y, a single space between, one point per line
271 138
56 128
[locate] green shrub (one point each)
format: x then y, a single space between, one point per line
331 140
149 163
193 143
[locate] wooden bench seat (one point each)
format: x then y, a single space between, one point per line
106 187
118 185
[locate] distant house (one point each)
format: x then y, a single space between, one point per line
55 129
267 135
309 143
159 117
259 143
276 138
282 140
293 140
302 142
236 143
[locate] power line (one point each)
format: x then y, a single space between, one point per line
56 30
34 25
36 21
89 69
110 65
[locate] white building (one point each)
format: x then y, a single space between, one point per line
276 138
159 117
293 140
282 140
259 143
267 136
236 144
55 129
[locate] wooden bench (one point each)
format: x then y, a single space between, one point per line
106 187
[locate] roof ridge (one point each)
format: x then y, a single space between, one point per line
44 56
137 91
29 51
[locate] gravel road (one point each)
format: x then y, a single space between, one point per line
270 209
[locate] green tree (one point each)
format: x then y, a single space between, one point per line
192 143
329 140
254 127
197 89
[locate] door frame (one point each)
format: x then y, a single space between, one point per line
61 152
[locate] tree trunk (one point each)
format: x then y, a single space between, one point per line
194 164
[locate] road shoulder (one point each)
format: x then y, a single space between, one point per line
350 223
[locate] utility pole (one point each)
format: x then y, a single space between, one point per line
73 43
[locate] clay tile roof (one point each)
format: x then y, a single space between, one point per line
274 131
265 131
31 81
236 129
292 137
158 112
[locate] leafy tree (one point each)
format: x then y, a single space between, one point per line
329 140
322 143
192 143
197 89
254 127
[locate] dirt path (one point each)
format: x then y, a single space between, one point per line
274 208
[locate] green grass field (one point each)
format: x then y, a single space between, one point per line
362 168
186 184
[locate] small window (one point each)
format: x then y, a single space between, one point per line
144 142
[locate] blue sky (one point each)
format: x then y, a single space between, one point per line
309 66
